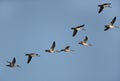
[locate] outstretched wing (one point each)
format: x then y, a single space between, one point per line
107 4
14 61
86 38
106 28
82 25
29 59
113 21
53 46
74 32
67 47
100 10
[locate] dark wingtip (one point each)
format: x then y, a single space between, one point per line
68 46
28 62
83 25
105 29
99 11
73 35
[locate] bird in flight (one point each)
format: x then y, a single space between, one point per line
84 42
66 49
51 50
12 64
111 24
30 55
104 5
76 29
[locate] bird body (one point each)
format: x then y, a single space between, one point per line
50 51
83 43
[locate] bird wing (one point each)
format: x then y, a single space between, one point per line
82 25
67 47
113 21
107 4
86 38
74 32
53 46
100 10
106 28
14 60
29 59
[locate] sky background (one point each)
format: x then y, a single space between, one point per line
28 26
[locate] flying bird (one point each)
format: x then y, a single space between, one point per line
30 55
51 50
66 49
104 5
76 29
12 64
111 24
84 42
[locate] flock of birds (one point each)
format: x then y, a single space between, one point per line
67 48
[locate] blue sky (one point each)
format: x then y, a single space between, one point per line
28 26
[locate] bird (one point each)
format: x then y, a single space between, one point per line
104 5
51 50
12 64
77 28
111 24
30 55
84 42
66 49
